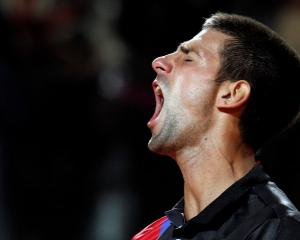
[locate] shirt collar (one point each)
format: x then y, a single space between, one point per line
220 208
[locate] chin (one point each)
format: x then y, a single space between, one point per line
154 146
159 148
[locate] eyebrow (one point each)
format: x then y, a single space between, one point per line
183 48
186 50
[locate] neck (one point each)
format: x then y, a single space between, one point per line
209 168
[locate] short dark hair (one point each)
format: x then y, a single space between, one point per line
257 54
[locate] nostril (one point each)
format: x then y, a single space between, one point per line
156 64
160 65
160 68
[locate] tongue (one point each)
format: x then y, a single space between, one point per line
158 107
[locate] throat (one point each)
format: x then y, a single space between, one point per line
202 186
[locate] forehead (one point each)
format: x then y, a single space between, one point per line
208 43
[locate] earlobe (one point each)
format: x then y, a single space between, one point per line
233 96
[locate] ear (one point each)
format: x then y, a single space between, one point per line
233 96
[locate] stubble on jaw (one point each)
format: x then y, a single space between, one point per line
174 136
163 142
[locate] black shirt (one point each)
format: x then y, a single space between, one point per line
252 208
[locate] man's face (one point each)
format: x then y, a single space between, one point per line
185 93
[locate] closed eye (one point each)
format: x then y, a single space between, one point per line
188 60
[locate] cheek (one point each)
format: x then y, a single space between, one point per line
194 92
197 100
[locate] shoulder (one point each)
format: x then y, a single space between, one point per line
283 222
285 228
273 197
288 229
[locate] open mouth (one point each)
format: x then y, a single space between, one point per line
159 99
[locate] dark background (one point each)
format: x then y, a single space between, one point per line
75 97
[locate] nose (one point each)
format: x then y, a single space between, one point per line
161 65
